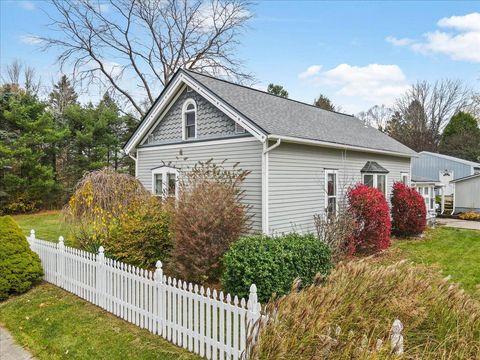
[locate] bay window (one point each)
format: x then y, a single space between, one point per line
378 181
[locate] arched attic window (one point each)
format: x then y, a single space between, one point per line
189 119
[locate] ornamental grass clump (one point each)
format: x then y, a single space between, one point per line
409 214
349 316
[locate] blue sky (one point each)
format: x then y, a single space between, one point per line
357 53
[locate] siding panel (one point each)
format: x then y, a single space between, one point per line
211 122
247 153
429 166
296 179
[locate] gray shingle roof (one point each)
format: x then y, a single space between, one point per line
286 117
374 167
416 178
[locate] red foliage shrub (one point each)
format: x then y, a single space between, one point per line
409 214
370 211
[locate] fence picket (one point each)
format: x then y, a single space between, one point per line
203 321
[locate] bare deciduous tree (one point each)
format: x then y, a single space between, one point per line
377 116
13 72
421 114
123 44
13 76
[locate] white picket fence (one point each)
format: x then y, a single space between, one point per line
202 321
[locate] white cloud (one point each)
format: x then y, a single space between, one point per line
462 45
398 42
30 39
27 5
366 85
469 22
311 71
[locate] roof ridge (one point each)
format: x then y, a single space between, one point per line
452 158
266 92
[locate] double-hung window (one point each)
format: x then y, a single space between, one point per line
189 115
331 189
164 181
404 178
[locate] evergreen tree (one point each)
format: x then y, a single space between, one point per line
277 90
62 95
461 137
27 137
324 103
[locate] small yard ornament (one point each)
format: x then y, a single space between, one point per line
396 337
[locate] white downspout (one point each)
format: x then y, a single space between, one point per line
265 185
134 159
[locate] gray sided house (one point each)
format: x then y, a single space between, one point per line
301 158
467 193
443 169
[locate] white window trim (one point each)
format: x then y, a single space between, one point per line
405 174
164 171
375 181
427 197
327 172
184 118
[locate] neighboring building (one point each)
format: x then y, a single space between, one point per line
301 158
427 188
443 168
467 193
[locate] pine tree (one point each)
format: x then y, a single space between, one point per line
324 103
62 95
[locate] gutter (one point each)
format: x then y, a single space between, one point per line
337 146
265 185
268 149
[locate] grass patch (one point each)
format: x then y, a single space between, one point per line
454 252
54 324
48 225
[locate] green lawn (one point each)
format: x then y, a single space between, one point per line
54 324
48 225
455 252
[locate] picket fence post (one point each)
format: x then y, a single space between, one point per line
253 313
32 236
60 262
100 280
157 298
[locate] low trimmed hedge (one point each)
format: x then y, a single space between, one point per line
20 267
273 263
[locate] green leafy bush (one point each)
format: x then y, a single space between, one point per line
20 267
273 263
144 235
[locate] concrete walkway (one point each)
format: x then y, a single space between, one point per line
458 223
9 350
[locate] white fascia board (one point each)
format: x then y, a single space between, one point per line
224 107
184 145
296 140
166 98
